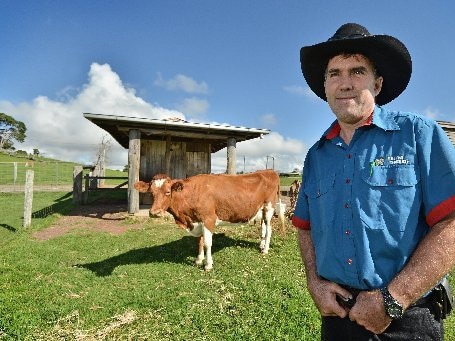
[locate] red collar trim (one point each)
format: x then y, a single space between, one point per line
335 130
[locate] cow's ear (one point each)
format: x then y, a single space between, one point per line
177 186
142 186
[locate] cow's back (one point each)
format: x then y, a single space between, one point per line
233 198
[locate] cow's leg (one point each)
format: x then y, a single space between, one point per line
208 247
261 213
200 256
267 227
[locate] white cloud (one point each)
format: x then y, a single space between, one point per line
268 120
285 154
300 91
182 83
194 107
433 113
58 129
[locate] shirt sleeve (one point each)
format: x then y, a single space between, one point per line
301 217
437 167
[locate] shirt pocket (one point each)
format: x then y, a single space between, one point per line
405 176
321 201
388 196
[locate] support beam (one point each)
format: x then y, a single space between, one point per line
134 157
167 155
231 157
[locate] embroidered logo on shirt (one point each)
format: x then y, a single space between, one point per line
389 160
375 163
397 160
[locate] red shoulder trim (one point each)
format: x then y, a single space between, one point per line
440 211
300 223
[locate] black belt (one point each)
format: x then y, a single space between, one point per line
349 303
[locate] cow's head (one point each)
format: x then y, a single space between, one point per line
160 189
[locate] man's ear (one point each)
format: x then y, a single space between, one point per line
378 85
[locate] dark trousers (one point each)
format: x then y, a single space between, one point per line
417 323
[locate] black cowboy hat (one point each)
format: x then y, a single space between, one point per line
389 55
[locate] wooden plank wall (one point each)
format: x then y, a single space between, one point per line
186 159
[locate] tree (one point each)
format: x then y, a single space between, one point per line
11 129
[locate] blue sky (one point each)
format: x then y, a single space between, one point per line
234 62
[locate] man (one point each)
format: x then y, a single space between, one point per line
376 210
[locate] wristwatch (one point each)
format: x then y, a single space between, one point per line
392 307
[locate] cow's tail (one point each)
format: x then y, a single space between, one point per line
280 209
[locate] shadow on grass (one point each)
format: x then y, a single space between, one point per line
61 205
182 251
8 227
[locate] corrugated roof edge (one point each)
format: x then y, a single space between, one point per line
170 122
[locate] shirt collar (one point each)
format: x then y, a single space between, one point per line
380 117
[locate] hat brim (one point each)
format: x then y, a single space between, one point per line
390 57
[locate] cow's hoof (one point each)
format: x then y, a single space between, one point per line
208 268
199 261
264 251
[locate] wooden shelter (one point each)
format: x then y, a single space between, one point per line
173 146
449 128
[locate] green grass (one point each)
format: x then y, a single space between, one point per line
143 285
288 180
47 206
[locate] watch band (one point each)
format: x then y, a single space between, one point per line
393 308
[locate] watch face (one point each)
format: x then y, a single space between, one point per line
392 307
394 311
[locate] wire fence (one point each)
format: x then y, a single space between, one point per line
53 182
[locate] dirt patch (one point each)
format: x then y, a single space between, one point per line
102 217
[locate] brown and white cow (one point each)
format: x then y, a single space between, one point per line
200 202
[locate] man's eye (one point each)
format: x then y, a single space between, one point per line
358 72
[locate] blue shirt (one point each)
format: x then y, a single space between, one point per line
369 204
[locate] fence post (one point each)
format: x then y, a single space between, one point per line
77 184
28 201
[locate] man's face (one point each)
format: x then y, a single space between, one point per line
351 87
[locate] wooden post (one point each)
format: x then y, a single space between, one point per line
231 159
77 184
15 172
167 155
134 158
86 188
28 200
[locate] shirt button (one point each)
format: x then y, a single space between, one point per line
348 180
390 181
349 261
348 232
346 205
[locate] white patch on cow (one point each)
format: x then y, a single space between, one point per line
266 228
208 249
198 230
159 182
257 217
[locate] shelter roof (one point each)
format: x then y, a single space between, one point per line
178 129
449 128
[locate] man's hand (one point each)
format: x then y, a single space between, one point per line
324 295
369 312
